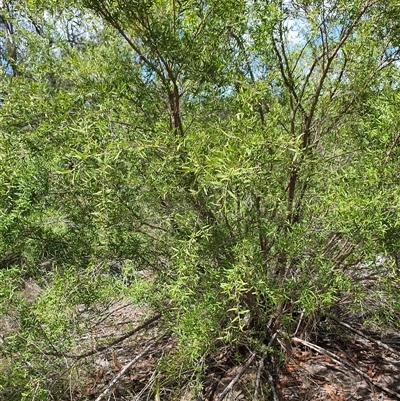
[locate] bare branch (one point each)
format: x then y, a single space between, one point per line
272 387
343 362
394 144
236 378
105 13
257 386
103 348
126 367
343 38
360 333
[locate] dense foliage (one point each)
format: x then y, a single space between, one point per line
243 152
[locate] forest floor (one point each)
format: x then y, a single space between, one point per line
119 347
346 362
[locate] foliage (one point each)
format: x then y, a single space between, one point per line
245 153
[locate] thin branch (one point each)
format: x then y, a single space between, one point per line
281 66
306 80
126 367
175 15
202 22
344 36
236 378
261 366
114 23
103 348
137 217
174 94
343 362
296 63
258 378
392 146
324 30
360 333
242 48
111 312
149 383
272 387
130 333
339 79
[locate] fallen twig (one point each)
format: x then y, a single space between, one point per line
149 383
272 387
118 340
258 378
208 393
236 378
261 367
360 333
343 362
126 367
109 313
122 338
96 336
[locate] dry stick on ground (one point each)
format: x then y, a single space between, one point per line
258 379
122 338
104 348
127 366
149 383
118 340
236 378
260 368
360 333
342 362
111 312
272 387
270 381
208 393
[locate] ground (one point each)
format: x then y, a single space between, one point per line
348 366
117 353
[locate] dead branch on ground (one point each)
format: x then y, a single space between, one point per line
127 366
258 378
361 334
272 387
103 348
343 362
236 378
